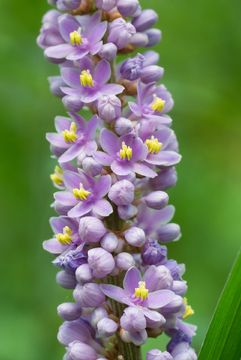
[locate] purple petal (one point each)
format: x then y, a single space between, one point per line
58 51
95 48
103 158
86 63
58 223
91 96
102 186
109 142
62 123
137 149
72 180
102 207
77 54
81 209
151 278
57 140
144 170
79 120
165 215
131 279
135 108
67 24
163 135
112 89
157 299
94 20
91 127
167 158
121 168
98 32
65 198
153 315
70 91
71 153
54 247
138 338
186 328
90 147
113 292
71 77
102 72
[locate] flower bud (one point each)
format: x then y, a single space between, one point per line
173 306
151 58
153 253
165 179
122 192
175 269
120 32
109 51
91 229
139 39
71 4
69 311
88 295
124 261
106 327
73 330
109 242
55 84
151 73
60 5
155 323
91 167
135 236
179 287
138 338
80 351
177 338
182 352
109 108
157 200
131 68
106 5
127 211
72 103
98 314
169 232
156 354
127 8
131 177
71 260
154 37
133 319
66 280
145 20
84 274
123 126
120 247
100 261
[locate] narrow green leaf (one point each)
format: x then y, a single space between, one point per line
223 339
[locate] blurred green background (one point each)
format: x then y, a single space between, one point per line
200 52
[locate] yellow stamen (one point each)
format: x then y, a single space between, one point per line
75 37
141 292
69 135
81 193
65 238
157 104
57 177
153 145
126 152
86 78
189 311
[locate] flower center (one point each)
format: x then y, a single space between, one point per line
189 311
126 152
57 177
86 78
81 193
153 145
141 291
157 103
69 135
75 37
65 238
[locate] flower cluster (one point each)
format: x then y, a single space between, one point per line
113 215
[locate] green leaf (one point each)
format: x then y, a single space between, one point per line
223 339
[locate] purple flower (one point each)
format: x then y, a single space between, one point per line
153 253
122 192
120 32
49 32
91 229
101 262
145 20
78 42
84 194
88 295
89 82
109 108
106 327
127 8
72 259
74 137
131 68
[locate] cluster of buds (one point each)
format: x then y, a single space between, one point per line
113 220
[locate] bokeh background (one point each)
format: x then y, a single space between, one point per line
200 52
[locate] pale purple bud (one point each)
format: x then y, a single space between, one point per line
156 354
127 211
135 236
164 278
177 338
55 84
84 274
174 268
123 126
109 242
183 352
151 58
127 8
106 327
106 5
151 73
154 37
73 330
165 179
72 4
91 229
120 32
153 253
145 20
139 338
131 68
122 192
179 287
137 12
71 260
100 261
139 39
168 232
88 295
60 5
69 311
66 280
131 177
157 322
124 261
133 319
109 108
80 351
58 207
98 314
120 247
108 51
91 167
72 103
173 306
157 200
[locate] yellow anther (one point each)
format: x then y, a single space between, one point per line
65 238
86 78
141 291
57 177
126 152
153 145
189 311
70 135
75 37
81 193
157 103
